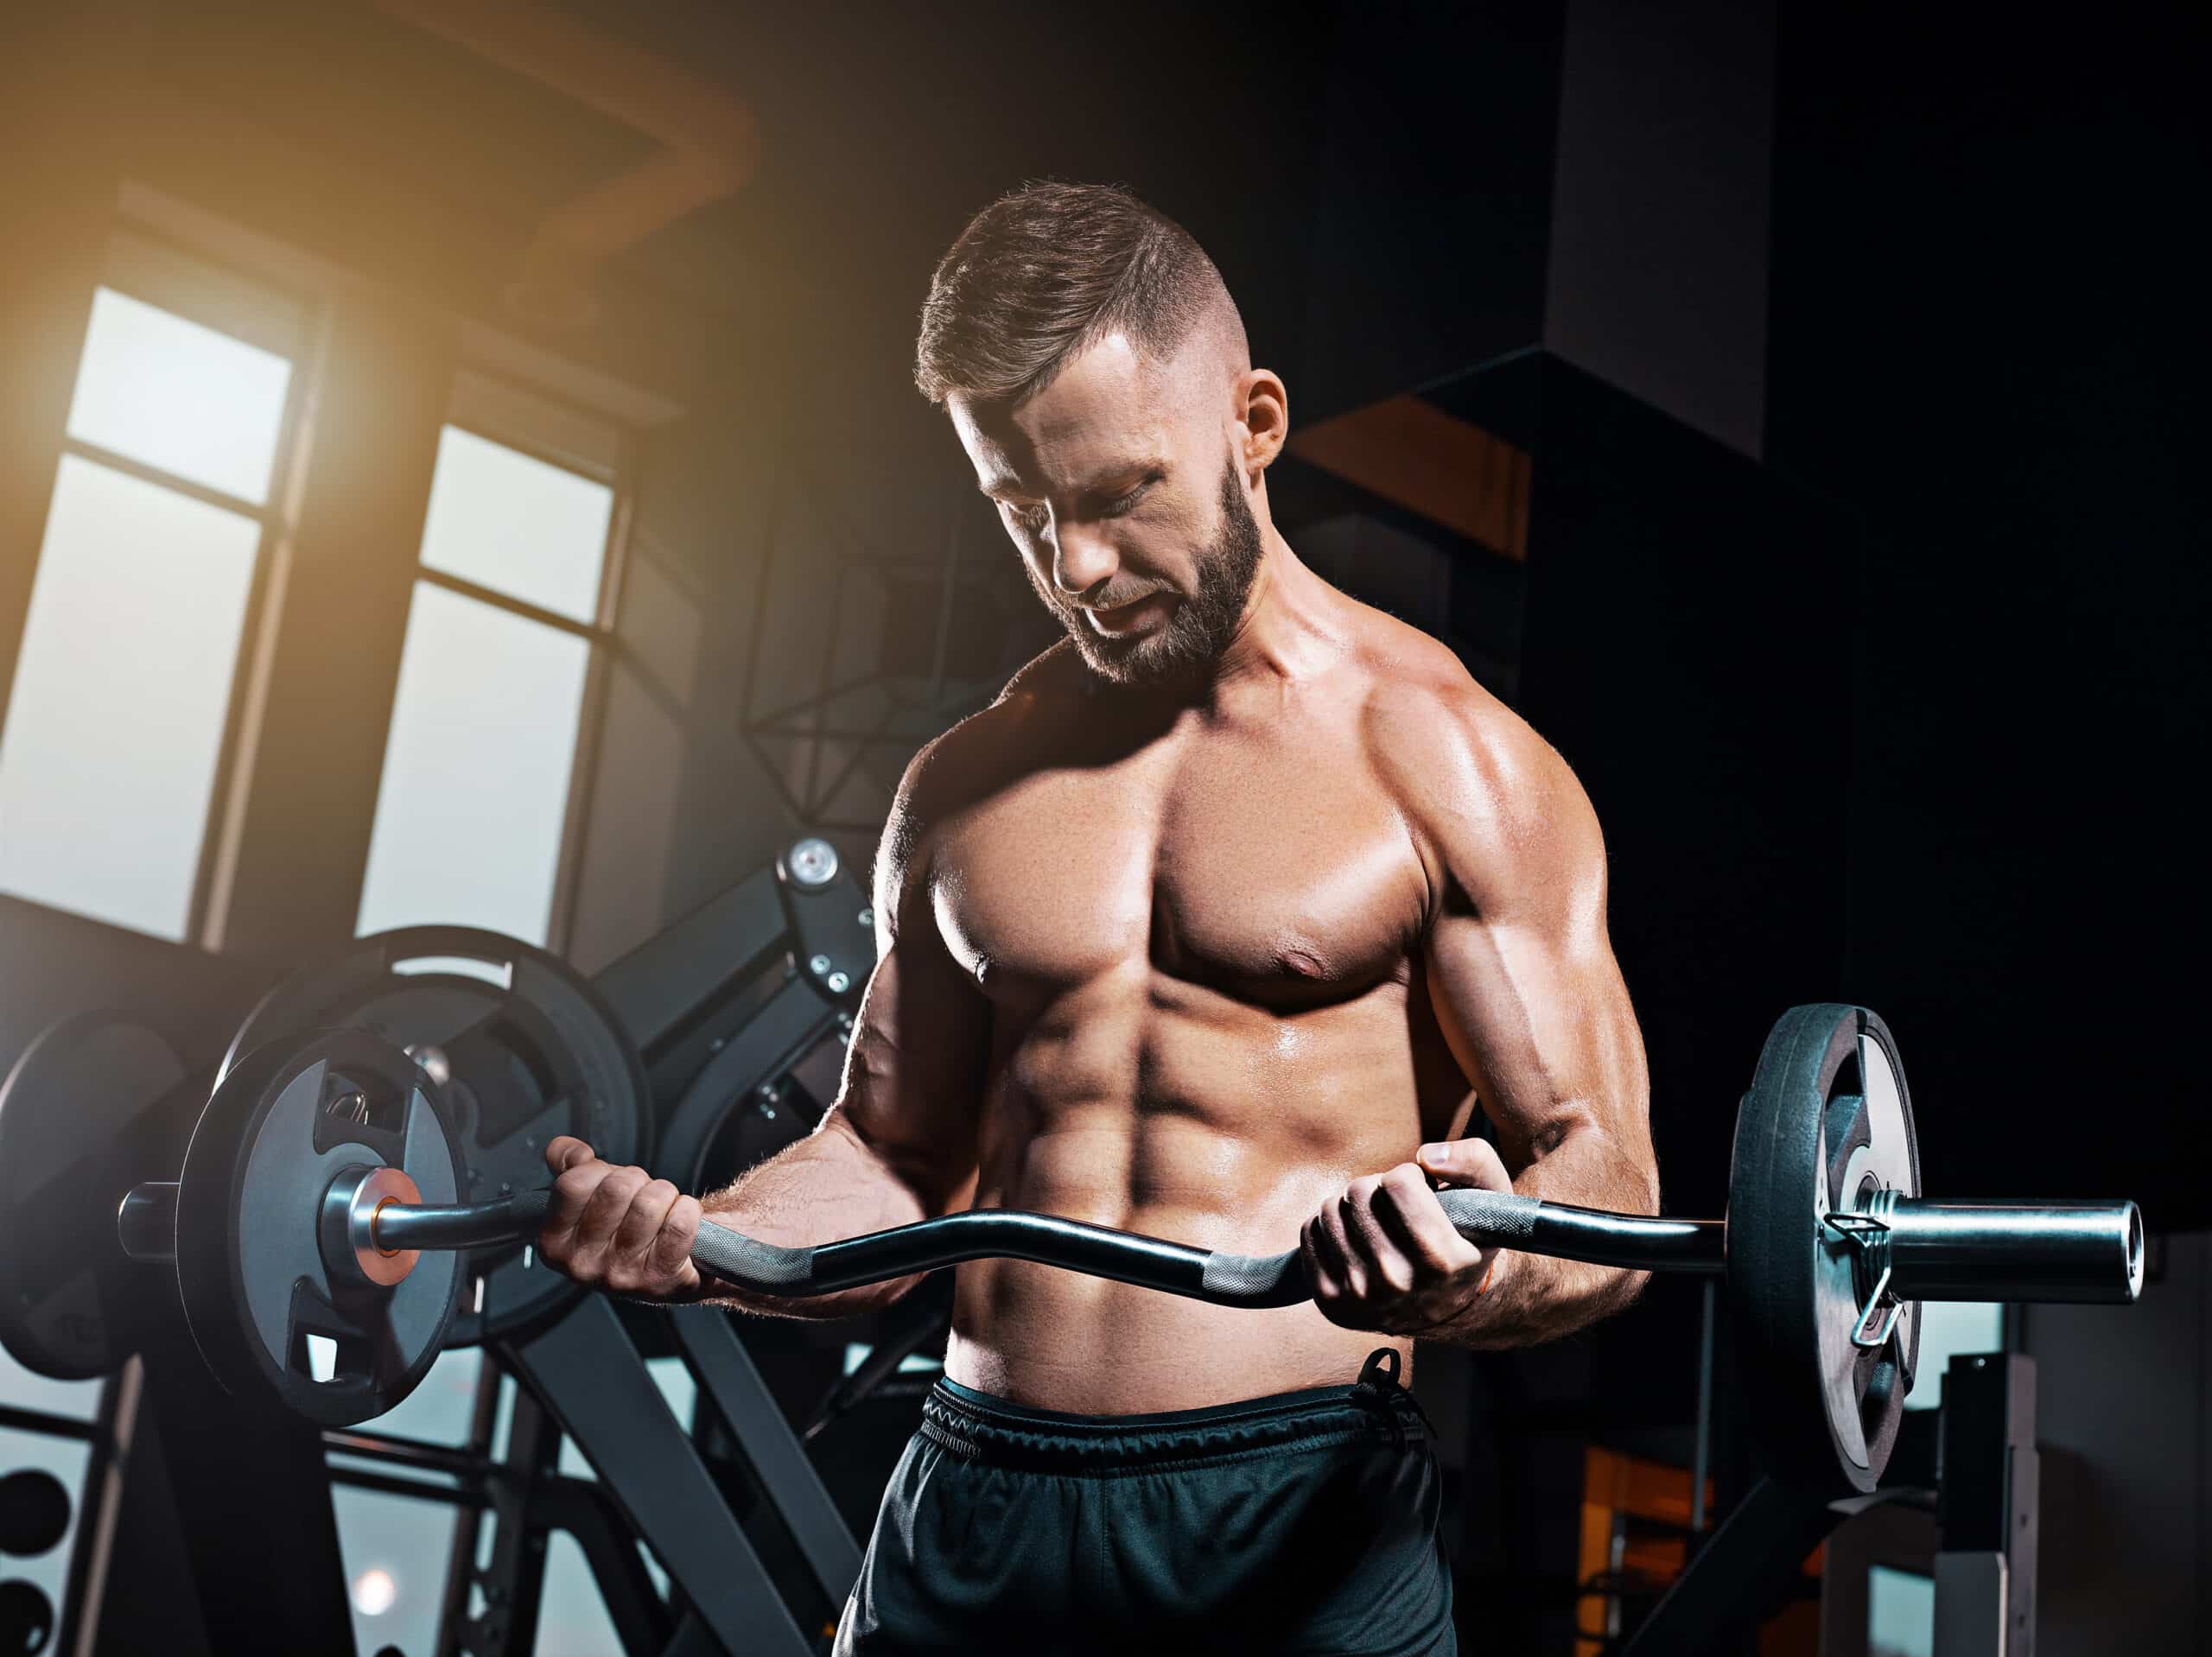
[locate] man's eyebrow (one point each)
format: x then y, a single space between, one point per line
999 486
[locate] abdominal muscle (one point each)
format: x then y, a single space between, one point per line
1223 1127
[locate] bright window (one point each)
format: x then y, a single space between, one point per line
116 720
572 1619
1900 1613
1948 1328
396 1549
472 810
501 519
121 693
79 1400
181 398
475 790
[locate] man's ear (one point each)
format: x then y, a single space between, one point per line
1263 410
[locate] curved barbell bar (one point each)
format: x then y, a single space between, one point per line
1933 1251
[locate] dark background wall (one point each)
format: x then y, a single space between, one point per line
1986 343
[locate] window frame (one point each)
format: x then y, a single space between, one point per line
141 264
521 403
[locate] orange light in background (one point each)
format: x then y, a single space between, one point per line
1616 1489
1451 472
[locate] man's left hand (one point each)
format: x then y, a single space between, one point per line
1383 1256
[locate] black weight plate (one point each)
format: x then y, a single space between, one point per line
71 1144
522 1065
1827 1111
249 1257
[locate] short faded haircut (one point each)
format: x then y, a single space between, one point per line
1047 271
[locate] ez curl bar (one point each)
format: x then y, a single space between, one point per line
323 1175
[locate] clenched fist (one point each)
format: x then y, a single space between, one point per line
1384 1256
618 1229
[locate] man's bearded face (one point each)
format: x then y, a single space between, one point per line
1151 648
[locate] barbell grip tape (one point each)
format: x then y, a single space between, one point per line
529 1210
1480 1216
1507 1219
1637 1242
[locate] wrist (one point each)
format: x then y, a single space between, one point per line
1461 1315
1491 1275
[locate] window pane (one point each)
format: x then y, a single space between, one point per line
476 788
572 1619
175 395
121 693
1947 1329
79 1400
438 1411
516 525
1900 1613
396 1550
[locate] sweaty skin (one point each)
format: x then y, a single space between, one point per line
1223 941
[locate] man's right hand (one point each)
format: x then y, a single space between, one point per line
618 1229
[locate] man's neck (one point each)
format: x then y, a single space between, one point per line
1292 629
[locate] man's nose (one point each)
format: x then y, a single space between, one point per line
1083 559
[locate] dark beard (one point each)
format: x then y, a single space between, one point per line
1201 625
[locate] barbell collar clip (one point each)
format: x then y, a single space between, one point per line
1872 1331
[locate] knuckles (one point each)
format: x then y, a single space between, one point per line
1357 1265
573 1189
1404 1181
594 1201
621 1186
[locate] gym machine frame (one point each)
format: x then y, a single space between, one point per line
721 1005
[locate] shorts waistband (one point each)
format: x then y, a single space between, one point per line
981 1428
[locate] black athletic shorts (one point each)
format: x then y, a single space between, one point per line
1305 1522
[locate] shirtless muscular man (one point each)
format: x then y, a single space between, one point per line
1219 925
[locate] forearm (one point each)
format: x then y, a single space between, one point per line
1533 1299
829 1186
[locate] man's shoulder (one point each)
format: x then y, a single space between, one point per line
1455 755
1043 685
975 756
1422 707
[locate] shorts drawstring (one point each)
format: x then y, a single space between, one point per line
1378 1389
